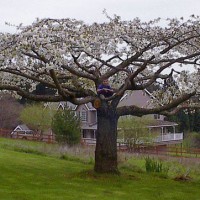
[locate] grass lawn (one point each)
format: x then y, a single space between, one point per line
33 176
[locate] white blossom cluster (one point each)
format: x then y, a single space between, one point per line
134 52
189 82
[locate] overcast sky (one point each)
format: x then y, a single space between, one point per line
26 11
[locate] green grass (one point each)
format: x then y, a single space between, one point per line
30 171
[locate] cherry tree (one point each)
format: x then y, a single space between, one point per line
73 58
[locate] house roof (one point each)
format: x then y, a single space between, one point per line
22 127
161 123
140 98
63 104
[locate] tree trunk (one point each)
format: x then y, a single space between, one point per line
106 141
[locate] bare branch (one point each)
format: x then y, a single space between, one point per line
20 92
82 67
29 77
59 87
137 111
78 73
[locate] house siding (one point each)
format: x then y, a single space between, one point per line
140 98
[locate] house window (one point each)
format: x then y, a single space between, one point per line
83 115
84 133
156 116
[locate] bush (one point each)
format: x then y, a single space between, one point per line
192 140
196 140
66 127
152 165
155 166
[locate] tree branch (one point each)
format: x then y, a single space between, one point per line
137 111
78 73
59 87
20 92
29 77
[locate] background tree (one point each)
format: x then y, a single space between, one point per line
73 58
191 140
197 121
188 120
134 131
37 117
66 127
182 119
10 110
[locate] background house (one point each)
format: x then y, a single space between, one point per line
22 128
165 130
22 131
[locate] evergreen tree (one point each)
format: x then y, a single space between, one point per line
66 127
197 121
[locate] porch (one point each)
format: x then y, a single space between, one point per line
158 132
169 137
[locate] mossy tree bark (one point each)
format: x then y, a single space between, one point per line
106 141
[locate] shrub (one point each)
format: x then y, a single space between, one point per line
153 165
192 140
66 127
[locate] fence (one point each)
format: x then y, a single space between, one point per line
167 150
5 133
49 138
154 149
